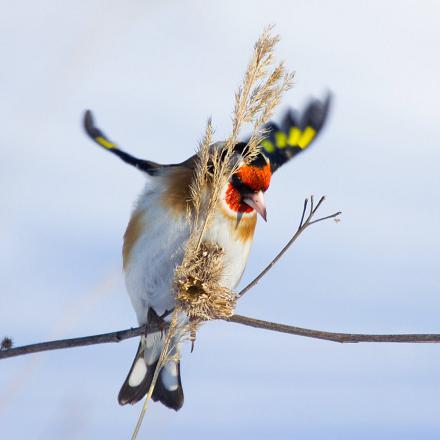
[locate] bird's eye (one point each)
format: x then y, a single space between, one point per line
239 185
236 181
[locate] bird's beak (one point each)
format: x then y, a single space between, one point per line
256 200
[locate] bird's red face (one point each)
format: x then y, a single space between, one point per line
246 189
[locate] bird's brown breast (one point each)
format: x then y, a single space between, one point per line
132 233
176 200
176 197
241 227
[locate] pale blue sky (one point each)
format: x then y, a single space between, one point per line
153 72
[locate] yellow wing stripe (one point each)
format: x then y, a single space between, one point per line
268 146
306 137
105 143
294 136
280 139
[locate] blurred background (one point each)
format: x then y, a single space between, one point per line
153 72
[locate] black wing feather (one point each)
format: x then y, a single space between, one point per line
295 134
103 141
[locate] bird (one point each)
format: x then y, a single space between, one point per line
158 229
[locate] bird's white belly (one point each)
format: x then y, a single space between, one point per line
236 252
159 249
154 257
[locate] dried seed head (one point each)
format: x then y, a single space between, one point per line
199 292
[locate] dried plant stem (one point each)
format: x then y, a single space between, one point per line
255 100
197 186
196 280
161 362
253 103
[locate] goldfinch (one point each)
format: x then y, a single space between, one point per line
155 238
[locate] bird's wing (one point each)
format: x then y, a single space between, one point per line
102 140
295 134
282 143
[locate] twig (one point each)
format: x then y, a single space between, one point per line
122 335
303 213
335 337
103 338
303 225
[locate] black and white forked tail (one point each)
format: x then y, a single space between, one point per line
168 388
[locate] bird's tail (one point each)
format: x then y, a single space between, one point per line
168 388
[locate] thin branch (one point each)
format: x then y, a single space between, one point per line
319 203
335 337
122 335
303 213
325 218
103 338
301 228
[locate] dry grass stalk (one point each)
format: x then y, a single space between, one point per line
163 359
200 176
255 102
199 293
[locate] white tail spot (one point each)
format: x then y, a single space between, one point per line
138 373
153 347
169 376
